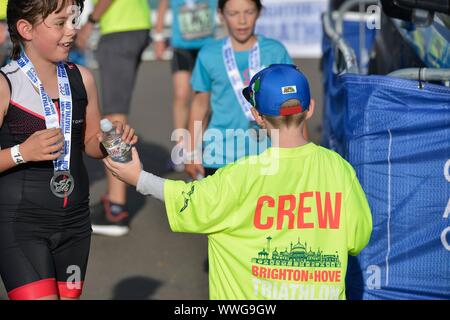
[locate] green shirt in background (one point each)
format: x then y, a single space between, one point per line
126 15
3 9
280 225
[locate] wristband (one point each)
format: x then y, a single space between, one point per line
158 36
16 155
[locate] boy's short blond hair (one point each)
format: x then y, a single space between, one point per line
293 120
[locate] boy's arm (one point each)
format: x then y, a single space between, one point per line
206 206
151 185
132 173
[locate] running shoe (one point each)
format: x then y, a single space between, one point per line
105 223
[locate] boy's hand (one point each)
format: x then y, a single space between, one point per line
127 172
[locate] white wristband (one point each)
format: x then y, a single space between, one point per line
158 36
16 155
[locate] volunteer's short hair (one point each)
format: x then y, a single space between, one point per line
293 120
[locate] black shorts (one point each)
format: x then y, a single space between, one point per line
44 253
119 56
184 59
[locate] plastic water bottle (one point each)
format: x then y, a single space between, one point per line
119 150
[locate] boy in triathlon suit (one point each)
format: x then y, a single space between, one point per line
282 224
49 115
193 26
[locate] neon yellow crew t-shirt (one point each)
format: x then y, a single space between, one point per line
280 225
126 15
3 9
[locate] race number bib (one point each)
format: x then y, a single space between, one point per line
195 21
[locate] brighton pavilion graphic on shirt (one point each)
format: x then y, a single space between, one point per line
297 255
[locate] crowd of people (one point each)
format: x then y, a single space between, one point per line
253 172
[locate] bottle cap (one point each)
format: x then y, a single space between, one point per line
106 125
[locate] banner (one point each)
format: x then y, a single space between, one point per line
295 23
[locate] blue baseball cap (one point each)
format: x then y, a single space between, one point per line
274 85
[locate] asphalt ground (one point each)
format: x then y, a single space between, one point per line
152 262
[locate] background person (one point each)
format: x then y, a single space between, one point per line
125 33
193 25
218 103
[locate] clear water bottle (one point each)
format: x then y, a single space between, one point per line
119 150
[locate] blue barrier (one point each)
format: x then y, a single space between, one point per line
397 137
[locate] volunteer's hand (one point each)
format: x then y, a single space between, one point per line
127 172
43 145
194 169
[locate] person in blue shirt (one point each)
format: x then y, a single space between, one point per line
222 70
193 25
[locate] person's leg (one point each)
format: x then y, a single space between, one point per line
71 260
119 58
26 264
183 63
118 95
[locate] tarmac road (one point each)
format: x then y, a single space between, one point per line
152 262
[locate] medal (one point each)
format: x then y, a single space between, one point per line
62 184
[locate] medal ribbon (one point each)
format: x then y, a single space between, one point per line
235 77
50 111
